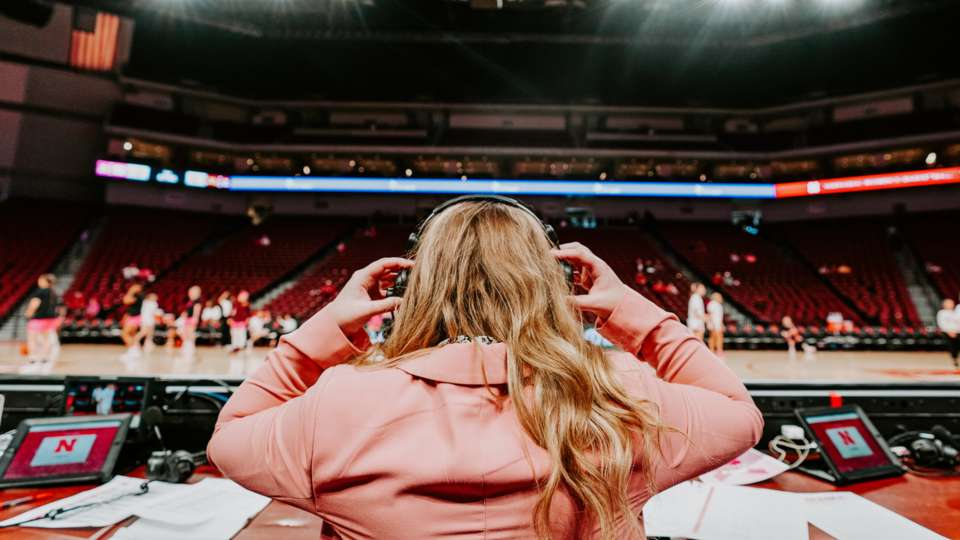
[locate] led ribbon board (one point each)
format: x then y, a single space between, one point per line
507 187
142 173
869 183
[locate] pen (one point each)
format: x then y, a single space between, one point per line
24 500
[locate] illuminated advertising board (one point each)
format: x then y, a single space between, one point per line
579 188
869 183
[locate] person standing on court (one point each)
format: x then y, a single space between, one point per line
484 412
43 318
948 319
715 312
696 313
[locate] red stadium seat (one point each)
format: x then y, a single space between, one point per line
770 288
35 235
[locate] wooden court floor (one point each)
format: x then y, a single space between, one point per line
748 365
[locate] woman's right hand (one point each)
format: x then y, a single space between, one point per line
604 288
362 298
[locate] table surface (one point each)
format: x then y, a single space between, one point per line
931 502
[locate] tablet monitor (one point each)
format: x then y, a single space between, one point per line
62 450
852 449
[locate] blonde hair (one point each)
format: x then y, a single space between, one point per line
485 269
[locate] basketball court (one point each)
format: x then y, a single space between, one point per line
748 365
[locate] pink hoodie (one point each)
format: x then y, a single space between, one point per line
425 451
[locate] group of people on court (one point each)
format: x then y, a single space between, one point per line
701 318
246 325
45 310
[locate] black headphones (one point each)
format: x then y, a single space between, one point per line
400 284
936 449
169 466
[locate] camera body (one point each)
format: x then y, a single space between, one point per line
169 466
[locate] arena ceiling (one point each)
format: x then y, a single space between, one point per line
736 53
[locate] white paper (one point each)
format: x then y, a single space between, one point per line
102 515
847 516
750 468
222 527
674 512
204 500
719 512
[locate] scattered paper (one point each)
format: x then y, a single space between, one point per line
222 527
204 500
750 468
847 516
100 515
718 512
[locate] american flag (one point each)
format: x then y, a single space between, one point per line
94 44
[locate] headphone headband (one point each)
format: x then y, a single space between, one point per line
401 282
547 229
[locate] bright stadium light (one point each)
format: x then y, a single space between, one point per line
306 169
128 146
931 158
409 172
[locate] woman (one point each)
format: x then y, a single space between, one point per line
791 334
149 310
715 314
131 322
238 321
43 317
484 411
193 308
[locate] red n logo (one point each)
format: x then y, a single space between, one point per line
846 438
64 445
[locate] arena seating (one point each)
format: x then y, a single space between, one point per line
151 239
304 299
621 248
932 237
35 234
770 288
241 262
874 283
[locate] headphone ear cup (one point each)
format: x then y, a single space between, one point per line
568 272
551 234
399 285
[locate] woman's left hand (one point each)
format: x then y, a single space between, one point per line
362 296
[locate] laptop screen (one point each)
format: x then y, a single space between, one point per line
63 448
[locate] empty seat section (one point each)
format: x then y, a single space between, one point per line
862 245
250 259
932 236
150 239
35 234
770 288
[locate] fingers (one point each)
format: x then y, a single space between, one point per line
381 266
370 275
580 256
382 306
576 245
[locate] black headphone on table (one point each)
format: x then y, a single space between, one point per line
929 452
400 284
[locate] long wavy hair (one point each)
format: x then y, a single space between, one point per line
485 269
